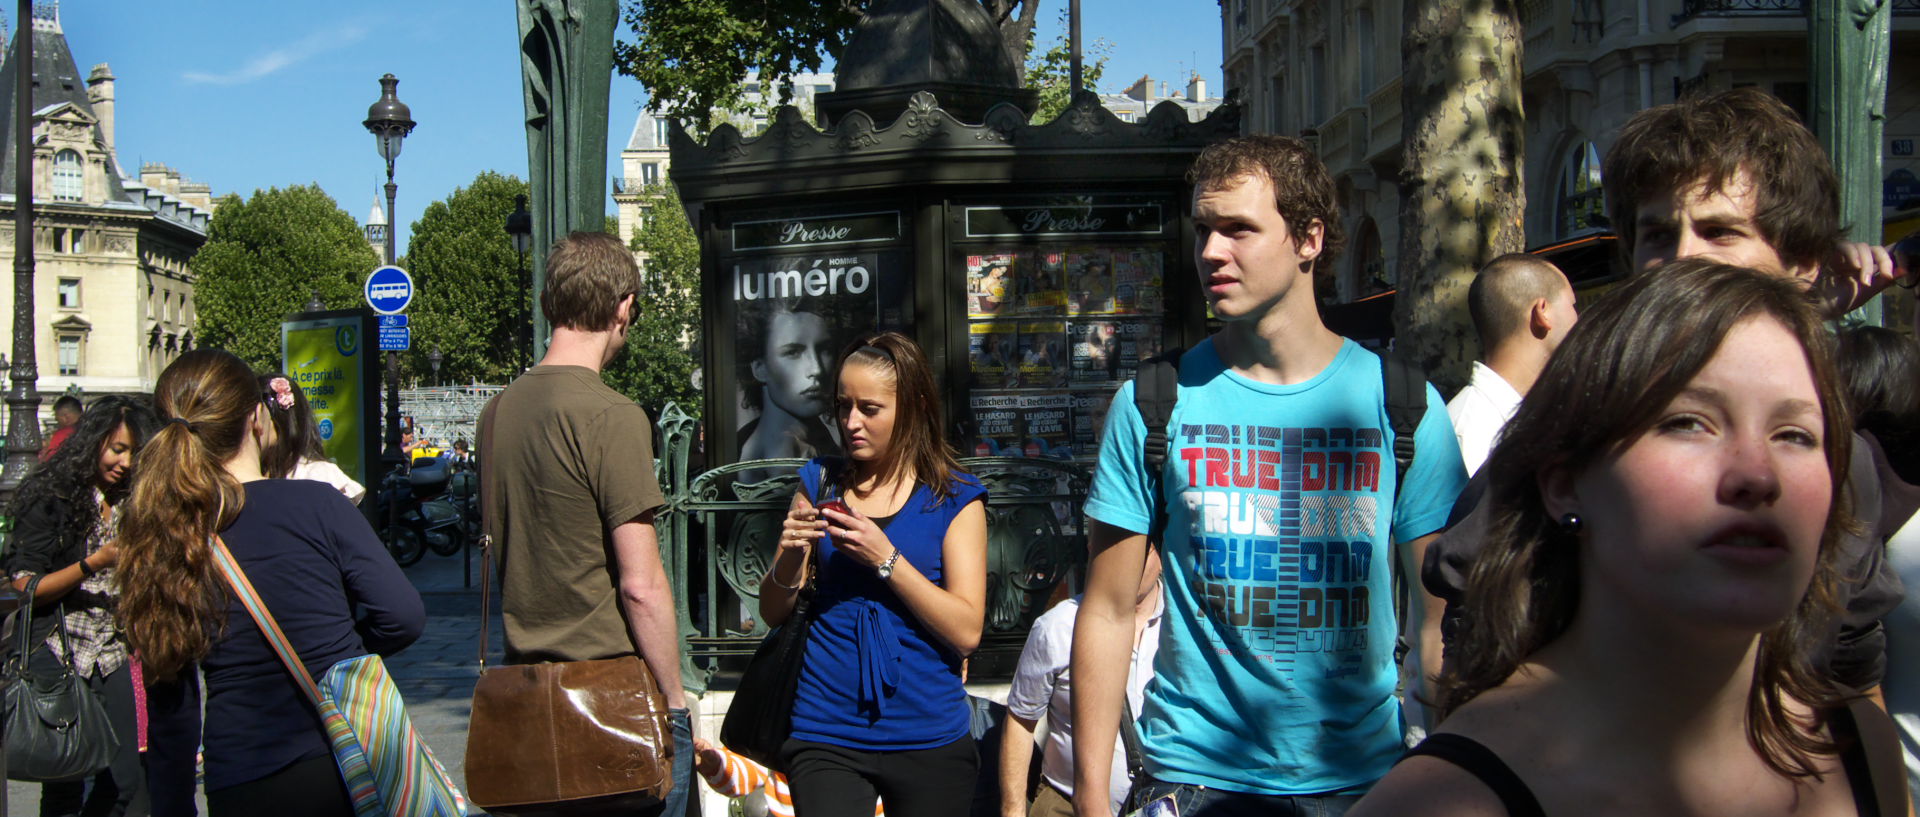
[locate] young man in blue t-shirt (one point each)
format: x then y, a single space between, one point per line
1275 678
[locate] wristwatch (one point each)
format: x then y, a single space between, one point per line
885 570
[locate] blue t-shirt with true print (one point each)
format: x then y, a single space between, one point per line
1276 671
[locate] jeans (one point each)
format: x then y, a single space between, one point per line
1199 801
680 802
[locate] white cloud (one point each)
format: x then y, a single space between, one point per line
319 42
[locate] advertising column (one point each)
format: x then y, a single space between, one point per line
330 356
800 288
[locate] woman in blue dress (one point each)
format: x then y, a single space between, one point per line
899 600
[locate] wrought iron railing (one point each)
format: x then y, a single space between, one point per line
721 527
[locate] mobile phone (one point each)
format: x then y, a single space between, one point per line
1162 806
836 506
1906 254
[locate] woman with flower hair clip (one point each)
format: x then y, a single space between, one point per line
293 450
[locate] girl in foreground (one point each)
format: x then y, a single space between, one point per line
900 599
306 550
1659 561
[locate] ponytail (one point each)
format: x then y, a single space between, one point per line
172 600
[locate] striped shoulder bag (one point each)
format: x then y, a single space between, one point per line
389 770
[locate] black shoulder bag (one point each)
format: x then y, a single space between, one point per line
761 715
56 728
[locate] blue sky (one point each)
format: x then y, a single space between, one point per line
251 95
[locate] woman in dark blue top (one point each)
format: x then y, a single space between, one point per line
899 600
310 555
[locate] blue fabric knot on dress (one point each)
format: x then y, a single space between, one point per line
879 657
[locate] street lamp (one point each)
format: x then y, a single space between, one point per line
433 359
389 120
23 399
520 228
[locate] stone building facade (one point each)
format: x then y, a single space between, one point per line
1329 70
113 298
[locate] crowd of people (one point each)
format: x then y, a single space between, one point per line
1649 560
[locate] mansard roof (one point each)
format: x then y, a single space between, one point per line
56 80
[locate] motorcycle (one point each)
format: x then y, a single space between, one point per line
429 520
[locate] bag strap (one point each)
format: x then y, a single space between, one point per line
1406 403
1130 739
1156 390
487 502
243 590
23 625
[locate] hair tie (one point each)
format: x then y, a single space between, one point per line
189 426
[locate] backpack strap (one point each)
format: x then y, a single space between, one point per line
1156 388
1406 403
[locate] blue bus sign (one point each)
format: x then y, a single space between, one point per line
389 290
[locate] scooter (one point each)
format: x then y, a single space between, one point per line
428 520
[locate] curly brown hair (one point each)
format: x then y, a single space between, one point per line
173 603
1713 140
1610 380
1303 190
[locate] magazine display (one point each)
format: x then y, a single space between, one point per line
1137 283
1096 351
1089 420
1044 288
1044 360
992 284
795 313
994 354
997 426
1090 282
1047 429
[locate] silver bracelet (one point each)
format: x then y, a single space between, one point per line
773 575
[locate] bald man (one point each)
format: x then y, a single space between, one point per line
1522 306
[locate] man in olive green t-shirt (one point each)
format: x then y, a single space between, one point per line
572 467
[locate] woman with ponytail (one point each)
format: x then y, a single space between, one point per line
65 528
308 553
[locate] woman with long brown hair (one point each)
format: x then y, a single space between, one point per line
900 599
307 551
1659 565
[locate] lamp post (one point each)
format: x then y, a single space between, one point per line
520 228
389 120
433 359
23 400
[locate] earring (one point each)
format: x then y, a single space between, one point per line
1570 523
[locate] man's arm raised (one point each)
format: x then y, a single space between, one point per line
647 599
1102 647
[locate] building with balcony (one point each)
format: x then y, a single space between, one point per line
113 297
1329 70
645 160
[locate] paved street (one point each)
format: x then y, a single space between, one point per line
435 675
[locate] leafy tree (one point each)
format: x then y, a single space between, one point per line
473 300
265 257
1051 73
662 351
693 55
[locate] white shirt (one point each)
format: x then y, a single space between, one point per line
1041 687
325 471
1479 412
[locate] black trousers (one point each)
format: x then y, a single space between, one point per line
309 788
118 790
835 781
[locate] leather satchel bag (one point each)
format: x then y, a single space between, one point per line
56 728
573 737
388 769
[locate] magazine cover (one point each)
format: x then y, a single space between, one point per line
991 284
994 354
1089 282
1137 284
1047 431
1139 340
794 315
1089 420
996 422
1044 360
1096 351
1044 284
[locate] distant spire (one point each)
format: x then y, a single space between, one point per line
378 216
46 16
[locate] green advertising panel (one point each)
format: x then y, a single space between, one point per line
330 355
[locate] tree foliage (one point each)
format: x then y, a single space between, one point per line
472 298
663 352
1051 73
694 55
265 257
